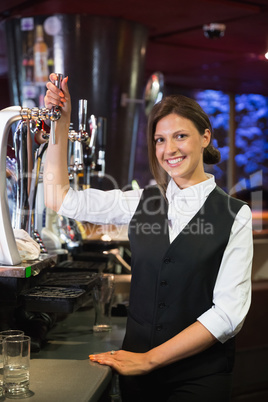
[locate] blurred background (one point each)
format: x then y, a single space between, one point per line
114 52
213 51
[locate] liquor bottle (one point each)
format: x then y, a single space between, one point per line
40 57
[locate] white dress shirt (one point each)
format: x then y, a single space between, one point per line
232 291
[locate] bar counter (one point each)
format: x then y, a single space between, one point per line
62 371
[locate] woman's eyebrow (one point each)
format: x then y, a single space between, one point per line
184 131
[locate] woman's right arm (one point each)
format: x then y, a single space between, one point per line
96 206
56 180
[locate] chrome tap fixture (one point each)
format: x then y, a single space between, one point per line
102 146
55 111
89 150
23 155
9 254
82 121
83 148
36 113
77 137
81 135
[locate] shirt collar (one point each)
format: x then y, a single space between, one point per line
199 191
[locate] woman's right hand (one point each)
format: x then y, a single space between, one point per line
58 97
56 177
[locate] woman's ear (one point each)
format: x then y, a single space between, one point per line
206 138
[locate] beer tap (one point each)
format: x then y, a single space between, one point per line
33 194
82 121
102 128
81 135
23 150
9 254
77 137
55 111
89 151
70 230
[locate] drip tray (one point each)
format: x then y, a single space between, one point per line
81 280
84 265
54 299
60 292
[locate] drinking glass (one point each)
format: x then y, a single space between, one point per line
11 332
16 366
103 294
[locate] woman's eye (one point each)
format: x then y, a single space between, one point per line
181 136
158 140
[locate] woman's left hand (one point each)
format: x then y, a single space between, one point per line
125 363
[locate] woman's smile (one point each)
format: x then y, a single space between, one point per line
175 161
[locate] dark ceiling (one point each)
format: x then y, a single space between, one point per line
177 46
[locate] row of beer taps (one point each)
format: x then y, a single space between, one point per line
83 162
82 147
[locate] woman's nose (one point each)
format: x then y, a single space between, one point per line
171 146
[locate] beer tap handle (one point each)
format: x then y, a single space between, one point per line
55 111
82 134
89 150
82 115
93 132
102 130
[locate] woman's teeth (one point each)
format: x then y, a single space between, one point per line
174 161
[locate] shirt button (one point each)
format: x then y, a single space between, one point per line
163 283
159 327
162 305
167 260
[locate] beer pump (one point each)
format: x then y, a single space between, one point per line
9 254
81 155
83 146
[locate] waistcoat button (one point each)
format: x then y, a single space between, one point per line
162 305
167 260
163 283
159 327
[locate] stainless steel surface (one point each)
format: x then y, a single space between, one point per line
23 149
28 268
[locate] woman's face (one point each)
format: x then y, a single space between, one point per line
179 149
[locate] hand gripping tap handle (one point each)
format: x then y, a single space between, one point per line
54 110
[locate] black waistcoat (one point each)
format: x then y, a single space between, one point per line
172 284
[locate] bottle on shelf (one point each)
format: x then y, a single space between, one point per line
40 57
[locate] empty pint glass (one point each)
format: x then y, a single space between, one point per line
103 294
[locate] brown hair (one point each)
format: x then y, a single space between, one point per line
189 109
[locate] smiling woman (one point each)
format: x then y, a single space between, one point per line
186 235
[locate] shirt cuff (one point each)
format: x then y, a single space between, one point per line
65 207
216 325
